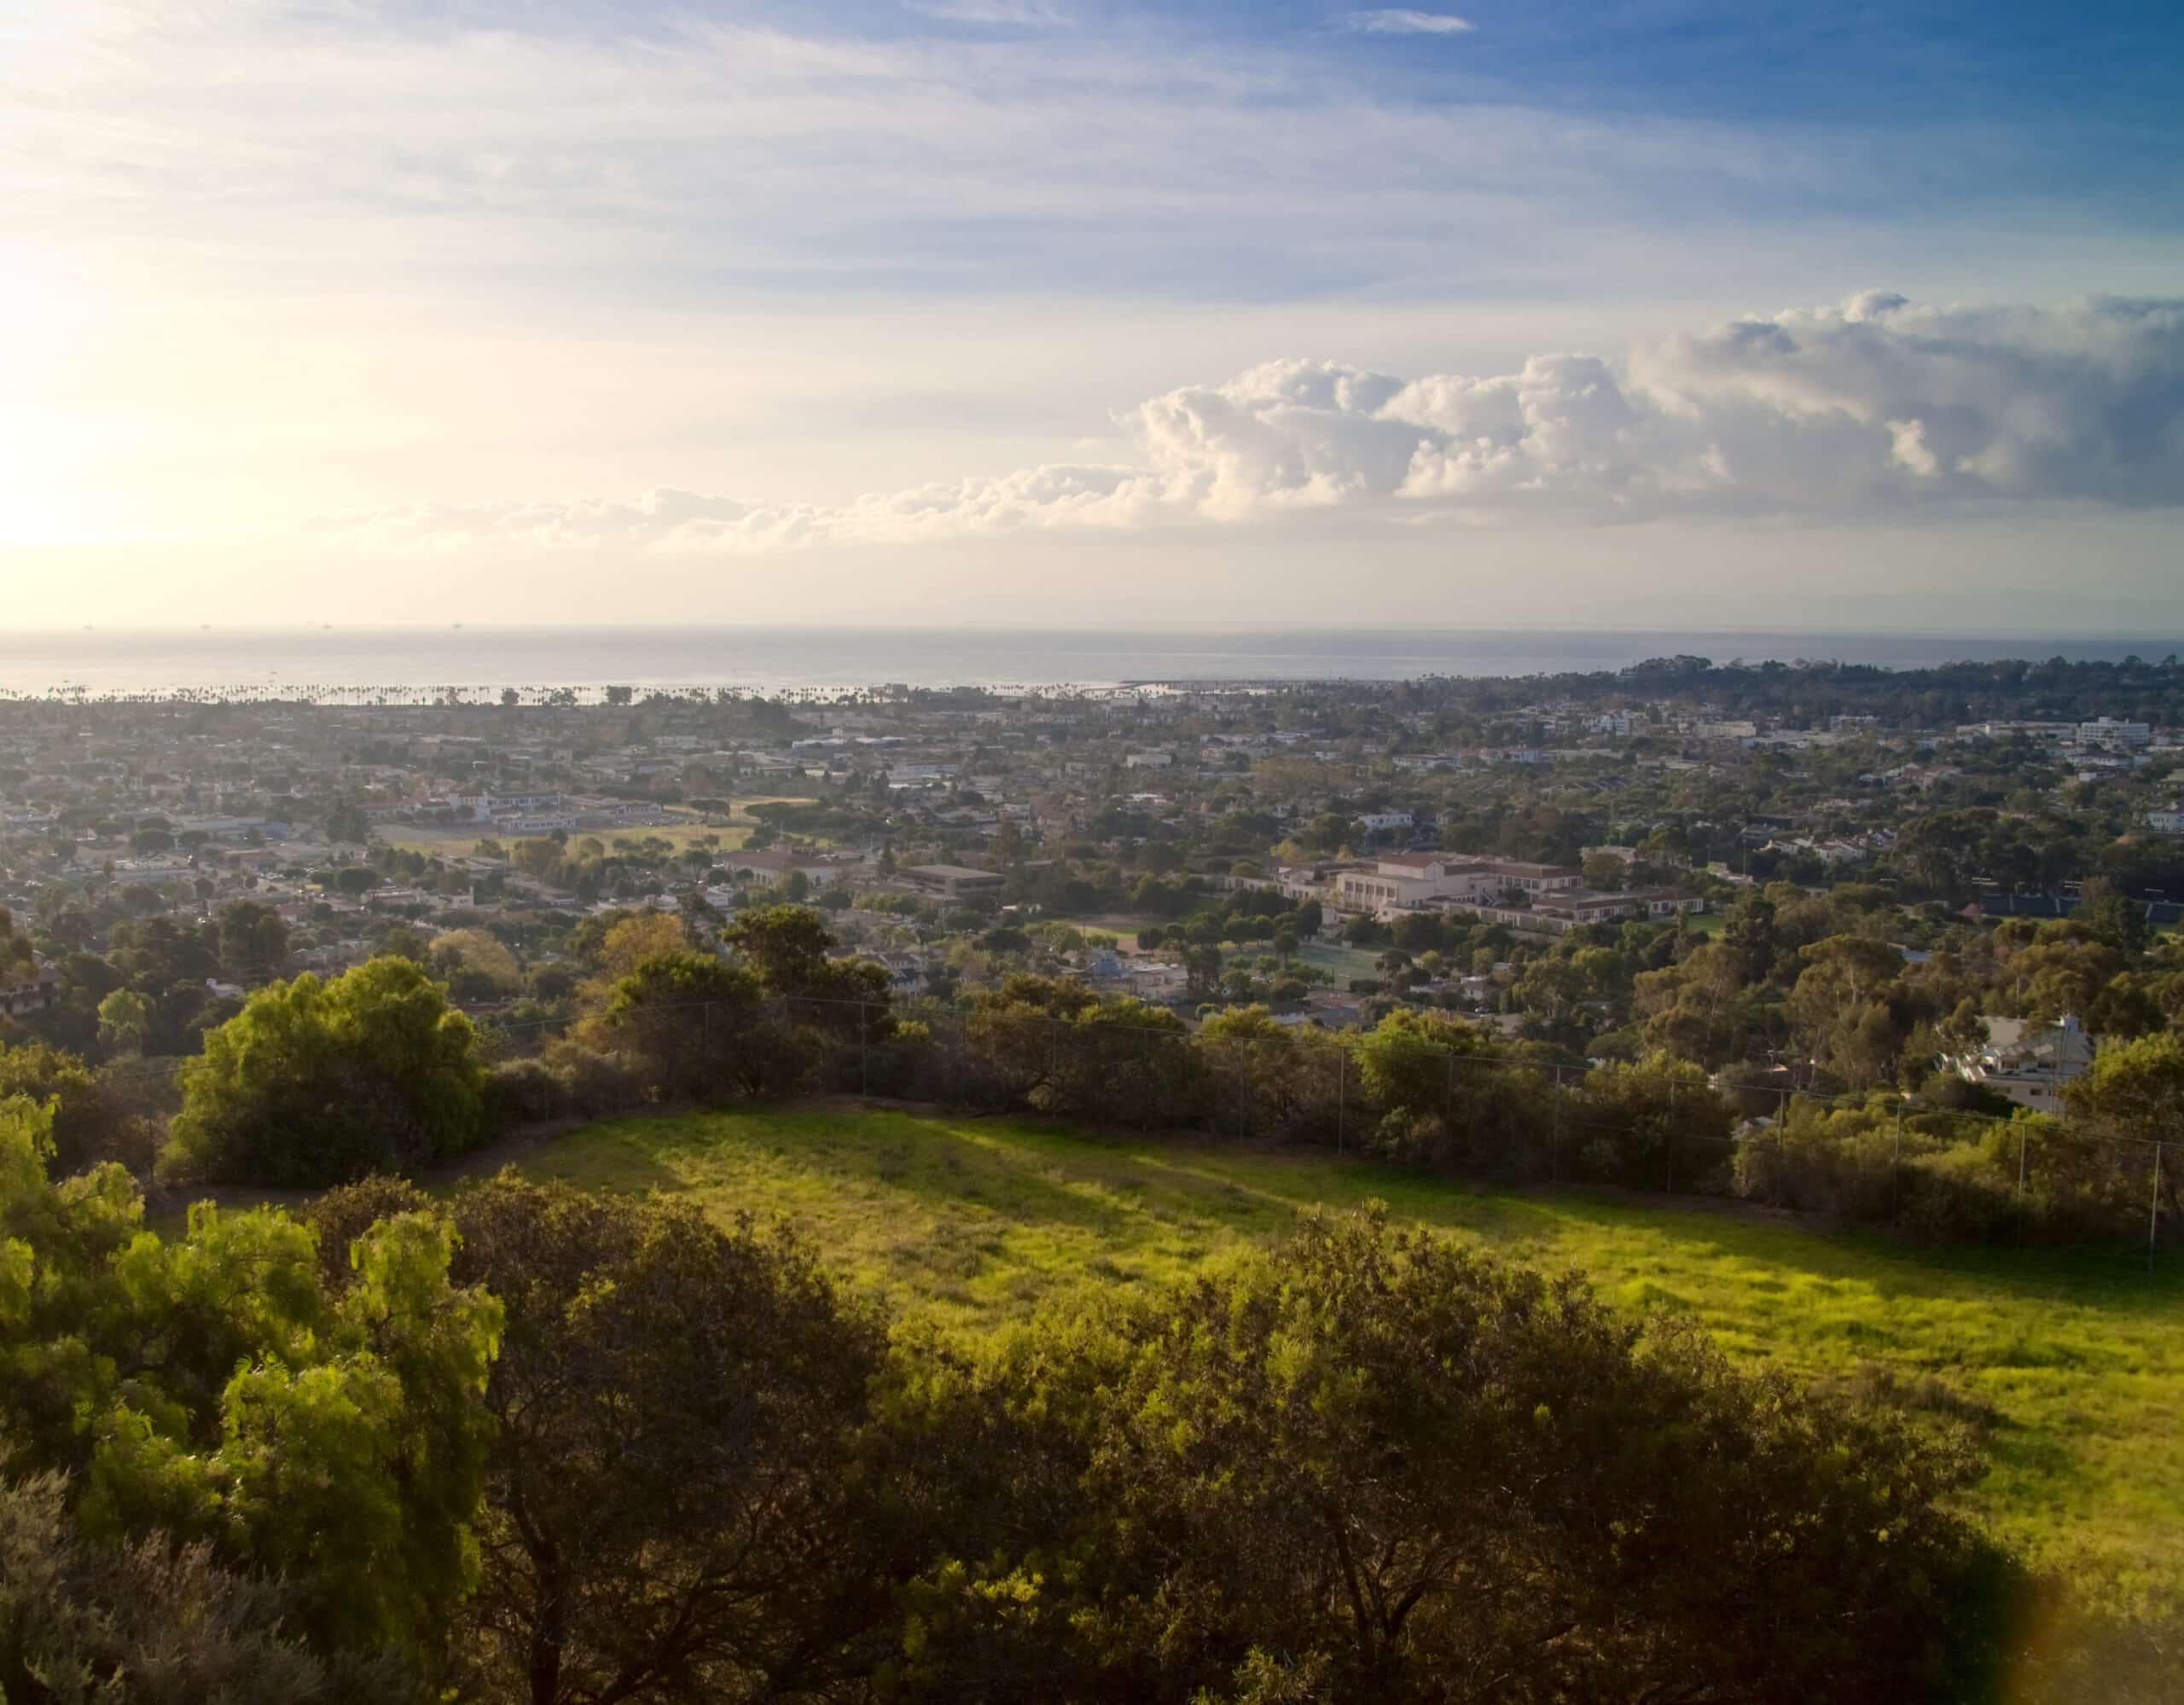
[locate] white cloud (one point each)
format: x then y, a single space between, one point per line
1403 20
1873 406
1025 14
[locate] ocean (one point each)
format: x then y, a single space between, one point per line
363 665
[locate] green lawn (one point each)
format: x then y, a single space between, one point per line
1342 963
2079 1360
1126 925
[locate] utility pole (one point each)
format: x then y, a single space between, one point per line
1896 1168
1341 1091
2154 1207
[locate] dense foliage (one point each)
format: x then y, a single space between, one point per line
212 1392
1368 1465
315 1083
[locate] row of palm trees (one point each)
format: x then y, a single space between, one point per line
313 694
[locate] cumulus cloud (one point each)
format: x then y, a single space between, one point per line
1403 20
1874 406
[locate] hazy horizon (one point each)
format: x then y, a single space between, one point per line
638 625
365 664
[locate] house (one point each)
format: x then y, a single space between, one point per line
905 971
487 807
40 993
955 881
767 868
155 873
2168 822
1630 855
1157 980
1559 912
2028 1062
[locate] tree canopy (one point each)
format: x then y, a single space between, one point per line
315 1083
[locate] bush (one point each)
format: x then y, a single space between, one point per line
210 1388
674 1406
344 1213
594 1082
1448 1099
151 1622
1944 1175
1372 1465
695 1027
1653 1124
91 1122
317 1083
523 1092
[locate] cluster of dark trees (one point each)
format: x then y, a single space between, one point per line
1246 917
167 962
314 1083
2056 690
527 1444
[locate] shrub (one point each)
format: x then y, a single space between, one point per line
596 1082
523 1092
315 1083
151 1622
91 1122
1413 1473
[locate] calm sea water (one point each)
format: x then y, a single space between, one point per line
354 663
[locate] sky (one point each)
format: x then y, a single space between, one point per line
1528 313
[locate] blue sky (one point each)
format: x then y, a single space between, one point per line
963 301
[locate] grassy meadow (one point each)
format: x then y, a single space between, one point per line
453 841
2073 1366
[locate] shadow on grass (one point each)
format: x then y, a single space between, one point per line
2113 1278
1123 1187
941 1164
622 1156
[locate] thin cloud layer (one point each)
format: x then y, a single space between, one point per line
1403 20
1876 406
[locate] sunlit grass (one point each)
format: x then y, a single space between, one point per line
458 840
970 1222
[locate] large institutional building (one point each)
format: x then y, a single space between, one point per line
1549 898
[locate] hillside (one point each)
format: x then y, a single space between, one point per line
2072 1365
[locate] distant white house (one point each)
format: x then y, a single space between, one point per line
767 868
2028 1061
956 881
485 808
2168 822
2108 732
